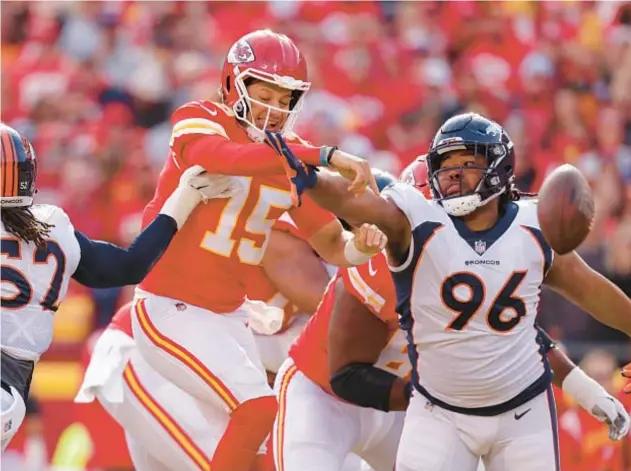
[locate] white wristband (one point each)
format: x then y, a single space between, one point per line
583 388
353 255
181 204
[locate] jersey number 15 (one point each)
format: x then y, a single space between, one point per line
222 240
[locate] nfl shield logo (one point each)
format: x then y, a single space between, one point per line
479 246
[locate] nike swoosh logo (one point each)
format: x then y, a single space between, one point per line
209 111
519 416
371 270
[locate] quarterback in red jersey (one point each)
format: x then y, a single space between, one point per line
191 323
165 427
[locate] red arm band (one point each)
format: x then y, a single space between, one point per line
220 155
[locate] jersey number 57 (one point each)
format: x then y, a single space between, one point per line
23 289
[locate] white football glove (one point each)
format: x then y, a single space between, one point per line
208 185
601 405
195 186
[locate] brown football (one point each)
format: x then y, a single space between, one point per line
565 209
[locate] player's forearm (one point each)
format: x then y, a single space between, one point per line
560 364
608 304
366 385
104 265
332 247
331 193
302 283
571 277
220 155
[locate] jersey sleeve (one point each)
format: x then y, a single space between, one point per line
194 120
409 200
309 217
201 136
371 284
105 265
529 221
63 232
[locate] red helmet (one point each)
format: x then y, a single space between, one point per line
270 57
416 174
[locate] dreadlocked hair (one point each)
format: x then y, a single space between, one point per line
25 226
515 195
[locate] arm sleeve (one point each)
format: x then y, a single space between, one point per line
371 284
199 139
104 265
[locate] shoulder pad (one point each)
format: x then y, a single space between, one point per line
200 117
50 214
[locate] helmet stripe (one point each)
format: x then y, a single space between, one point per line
3 165
16 172
7 167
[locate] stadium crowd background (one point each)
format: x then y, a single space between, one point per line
92 84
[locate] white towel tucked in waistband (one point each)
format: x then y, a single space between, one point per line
264 319
105 372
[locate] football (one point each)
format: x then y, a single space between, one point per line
565 209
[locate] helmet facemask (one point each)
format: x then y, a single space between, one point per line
490 186
244 103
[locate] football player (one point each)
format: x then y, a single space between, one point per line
41 251
190 324
292 278
468 268
165 427
314 429
290 281
131 390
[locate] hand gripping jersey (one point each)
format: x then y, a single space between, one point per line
34 282
469 302
371 284
211 258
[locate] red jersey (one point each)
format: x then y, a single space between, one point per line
261 288
585 444
211 258
372 284
122 319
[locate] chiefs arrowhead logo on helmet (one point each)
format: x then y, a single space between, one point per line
241 53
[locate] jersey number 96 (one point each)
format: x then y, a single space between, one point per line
507 309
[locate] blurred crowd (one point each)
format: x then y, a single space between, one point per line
93 84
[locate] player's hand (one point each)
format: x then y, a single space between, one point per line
301 176
592 397
355 169
205 184
609 410
370 240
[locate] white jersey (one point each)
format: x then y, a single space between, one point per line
470 300
34 282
